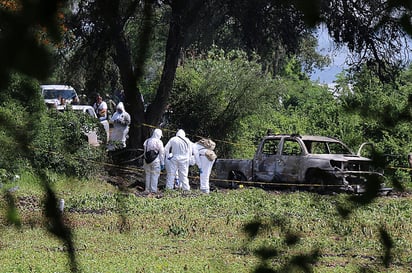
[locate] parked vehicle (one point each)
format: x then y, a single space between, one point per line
315 162
87 109
54 94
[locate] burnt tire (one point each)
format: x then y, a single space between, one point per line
236 178
323 183
317 182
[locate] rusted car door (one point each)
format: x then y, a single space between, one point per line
264 165
289 159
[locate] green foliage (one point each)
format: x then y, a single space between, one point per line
11 154
297 106
313 105
62 146
57 140
221 96
226 97
384 114
375 40
374 100
19 106
309 58
212 95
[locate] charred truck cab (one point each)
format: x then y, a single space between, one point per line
313 162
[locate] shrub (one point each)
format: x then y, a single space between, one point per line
62 146
20 105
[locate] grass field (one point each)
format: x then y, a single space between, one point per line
247 230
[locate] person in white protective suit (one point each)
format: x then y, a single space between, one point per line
178 151
121 121
168 164
205 166
152 169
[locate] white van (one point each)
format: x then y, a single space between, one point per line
53 92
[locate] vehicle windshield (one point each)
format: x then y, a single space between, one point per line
324 147
54 94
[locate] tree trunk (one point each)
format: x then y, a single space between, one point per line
133 102
173 48
139 129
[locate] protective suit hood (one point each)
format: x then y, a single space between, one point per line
157 133
120 106
180 133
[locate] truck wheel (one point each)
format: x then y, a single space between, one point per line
235 176
318 181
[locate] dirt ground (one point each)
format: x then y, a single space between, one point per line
131 178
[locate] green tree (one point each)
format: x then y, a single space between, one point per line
302 107
107 29
212 95
384 110
227 97
108 23
374 31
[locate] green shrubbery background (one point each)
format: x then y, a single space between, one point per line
53 140
227 97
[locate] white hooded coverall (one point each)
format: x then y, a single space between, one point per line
152 170
180 147
121 121
205 167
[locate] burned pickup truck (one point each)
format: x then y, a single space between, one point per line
310 162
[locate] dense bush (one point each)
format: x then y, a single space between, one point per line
11 153
33 137
62 146
20 107
211 96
